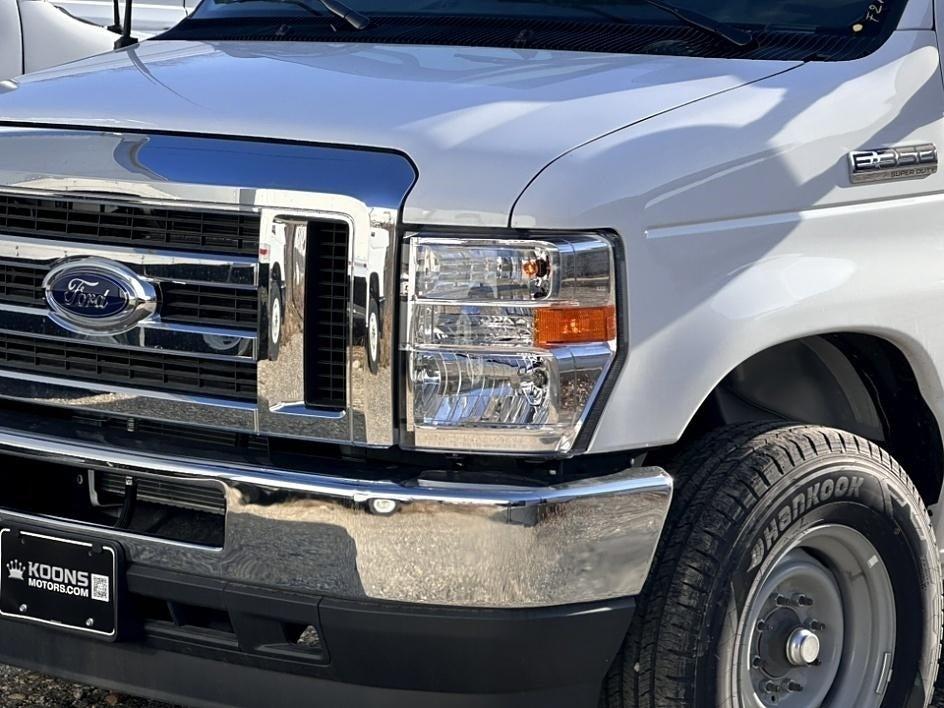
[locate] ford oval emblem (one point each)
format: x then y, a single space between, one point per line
98 296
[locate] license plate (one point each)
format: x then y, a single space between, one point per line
59 581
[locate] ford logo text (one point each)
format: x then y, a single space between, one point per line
90 295
98 296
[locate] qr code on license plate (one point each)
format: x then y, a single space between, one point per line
100 587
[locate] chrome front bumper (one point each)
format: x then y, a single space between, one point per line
447 544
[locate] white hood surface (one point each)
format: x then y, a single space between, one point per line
479 123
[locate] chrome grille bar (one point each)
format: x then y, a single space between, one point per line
209 342
207 412
194 268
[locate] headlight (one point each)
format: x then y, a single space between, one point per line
507 341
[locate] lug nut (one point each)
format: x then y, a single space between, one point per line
761 626
769 687
781 600
794 687
757 662
817 626
804 600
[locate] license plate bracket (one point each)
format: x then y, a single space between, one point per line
60 580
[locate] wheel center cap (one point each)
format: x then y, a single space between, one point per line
803 647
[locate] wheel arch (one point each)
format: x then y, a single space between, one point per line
863 383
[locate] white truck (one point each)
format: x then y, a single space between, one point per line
38 34
522 353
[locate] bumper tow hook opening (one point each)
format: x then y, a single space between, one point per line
128 506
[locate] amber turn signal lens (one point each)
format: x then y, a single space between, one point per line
573 325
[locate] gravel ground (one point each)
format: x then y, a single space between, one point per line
24 688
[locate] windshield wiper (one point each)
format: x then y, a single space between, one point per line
337 8
729 33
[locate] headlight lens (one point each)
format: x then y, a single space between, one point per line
483 270
507 342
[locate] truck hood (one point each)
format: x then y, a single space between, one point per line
478 123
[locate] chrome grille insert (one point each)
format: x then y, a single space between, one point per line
238 339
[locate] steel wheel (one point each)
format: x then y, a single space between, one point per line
818 629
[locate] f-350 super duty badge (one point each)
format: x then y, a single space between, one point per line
893 163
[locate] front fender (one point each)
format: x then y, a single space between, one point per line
742 229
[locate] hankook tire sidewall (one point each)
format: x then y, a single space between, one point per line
858 493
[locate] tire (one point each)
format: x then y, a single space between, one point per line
773 506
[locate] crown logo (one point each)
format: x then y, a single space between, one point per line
16 569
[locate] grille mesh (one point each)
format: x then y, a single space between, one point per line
213 305
138 368
129 225
22 285
326 309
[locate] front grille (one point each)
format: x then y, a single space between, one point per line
207 286
210 305
139 368
326 307
117 223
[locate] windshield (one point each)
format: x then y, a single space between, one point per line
795 30
852 16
